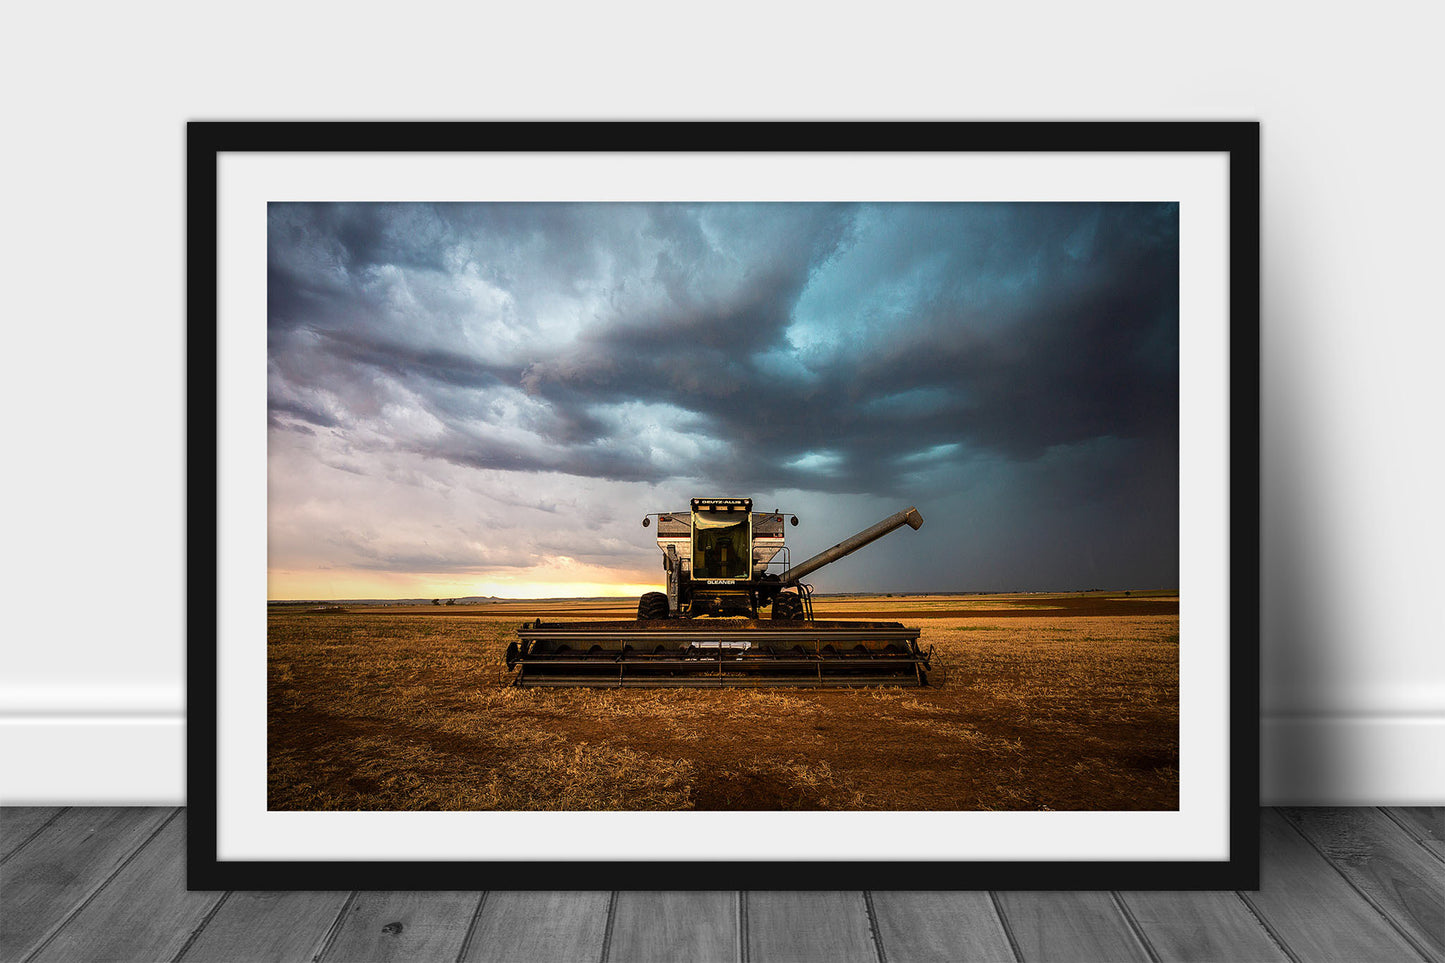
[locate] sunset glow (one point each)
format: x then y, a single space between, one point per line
296 585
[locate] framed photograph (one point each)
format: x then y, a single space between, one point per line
723 505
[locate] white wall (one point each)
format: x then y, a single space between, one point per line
91 693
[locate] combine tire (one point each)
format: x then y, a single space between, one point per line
787 607
652 606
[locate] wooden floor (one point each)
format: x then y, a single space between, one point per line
91 884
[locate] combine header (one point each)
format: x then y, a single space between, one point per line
707 630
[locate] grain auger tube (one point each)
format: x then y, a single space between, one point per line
706 629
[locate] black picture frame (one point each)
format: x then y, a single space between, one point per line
208 142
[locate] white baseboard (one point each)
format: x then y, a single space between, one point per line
123 760
85 700
139 760
1360 760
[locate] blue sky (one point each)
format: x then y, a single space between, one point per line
487 398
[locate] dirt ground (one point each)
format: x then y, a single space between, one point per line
1035 702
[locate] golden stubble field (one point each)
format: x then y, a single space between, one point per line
1066 702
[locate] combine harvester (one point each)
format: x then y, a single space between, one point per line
706 629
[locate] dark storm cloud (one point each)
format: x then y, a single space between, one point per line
1079 342
878 349
412 364
651 311
281 407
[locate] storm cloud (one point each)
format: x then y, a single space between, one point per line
531 378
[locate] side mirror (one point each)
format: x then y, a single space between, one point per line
646 520
795 519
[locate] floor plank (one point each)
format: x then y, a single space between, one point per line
143 913
1202 926
63 865
413 927
1068 926
920 927
19 823
1425 823
1312 910
558 927
1393 871
656 927
266 927
808 927
107 884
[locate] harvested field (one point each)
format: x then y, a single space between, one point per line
1062 702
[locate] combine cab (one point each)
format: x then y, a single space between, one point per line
708 629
